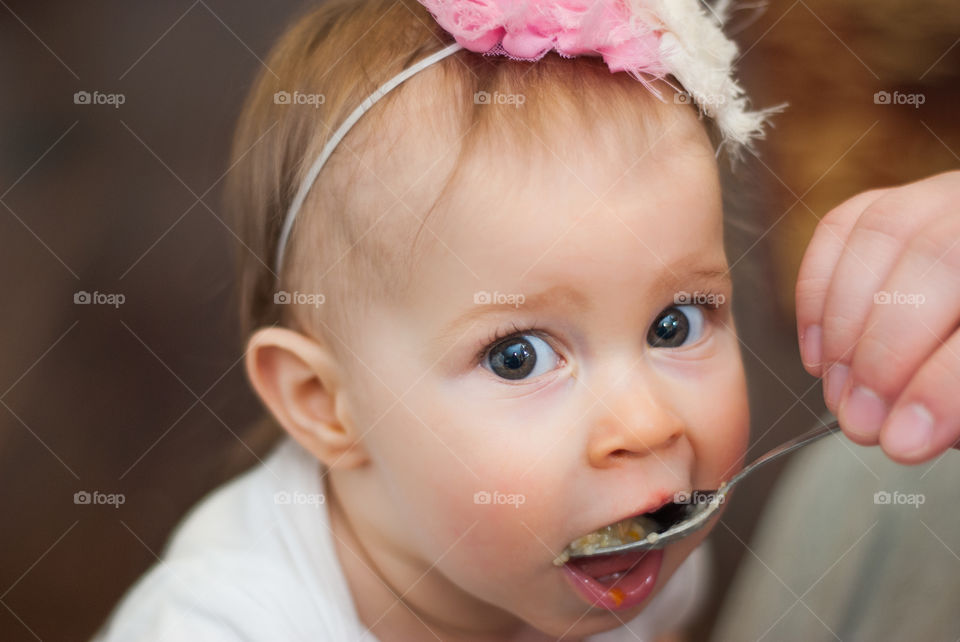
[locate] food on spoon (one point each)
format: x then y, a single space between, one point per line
626 531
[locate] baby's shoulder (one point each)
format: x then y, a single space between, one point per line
244 564
219 595
253 510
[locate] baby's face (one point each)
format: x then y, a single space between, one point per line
550 380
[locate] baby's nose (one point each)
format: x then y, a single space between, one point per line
635 423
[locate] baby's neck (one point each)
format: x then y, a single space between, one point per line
398 602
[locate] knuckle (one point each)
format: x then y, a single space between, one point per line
880 366
810 289
839 334
884 222
835 223
939 379
837 217
938 243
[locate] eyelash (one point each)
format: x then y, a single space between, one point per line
513 329
502 333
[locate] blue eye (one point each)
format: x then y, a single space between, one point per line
520 357
675 325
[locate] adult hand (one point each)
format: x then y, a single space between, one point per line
878 311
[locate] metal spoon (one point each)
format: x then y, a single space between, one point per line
679 519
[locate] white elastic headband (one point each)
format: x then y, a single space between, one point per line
338 135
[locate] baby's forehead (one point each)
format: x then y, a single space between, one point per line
516 234
491 182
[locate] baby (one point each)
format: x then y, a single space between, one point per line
493 317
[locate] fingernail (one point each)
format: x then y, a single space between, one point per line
835 378
810 346
863 412
910 431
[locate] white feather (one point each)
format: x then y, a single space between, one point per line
702 59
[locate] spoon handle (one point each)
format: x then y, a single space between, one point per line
787 447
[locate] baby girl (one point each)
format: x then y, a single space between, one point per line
490 307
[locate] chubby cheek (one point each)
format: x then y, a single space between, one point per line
720 430
470 500
460 484
505 558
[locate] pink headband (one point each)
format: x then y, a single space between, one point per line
649 39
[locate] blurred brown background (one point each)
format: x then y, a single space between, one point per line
148 398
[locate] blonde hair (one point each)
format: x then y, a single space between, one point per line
342 51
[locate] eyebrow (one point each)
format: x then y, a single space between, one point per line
566 296
716 276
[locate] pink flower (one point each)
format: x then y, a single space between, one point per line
527 43
476 24
528 29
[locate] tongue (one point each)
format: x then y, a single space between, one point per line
602 565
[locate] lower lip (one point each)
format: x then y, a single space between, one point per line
619 591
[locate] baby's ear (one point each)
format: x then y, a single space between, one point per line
299 381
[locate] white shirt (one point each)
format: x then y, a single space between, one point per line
255 560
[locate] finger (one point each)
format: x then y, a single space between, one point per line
816 270
875 244
917 309
925 419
